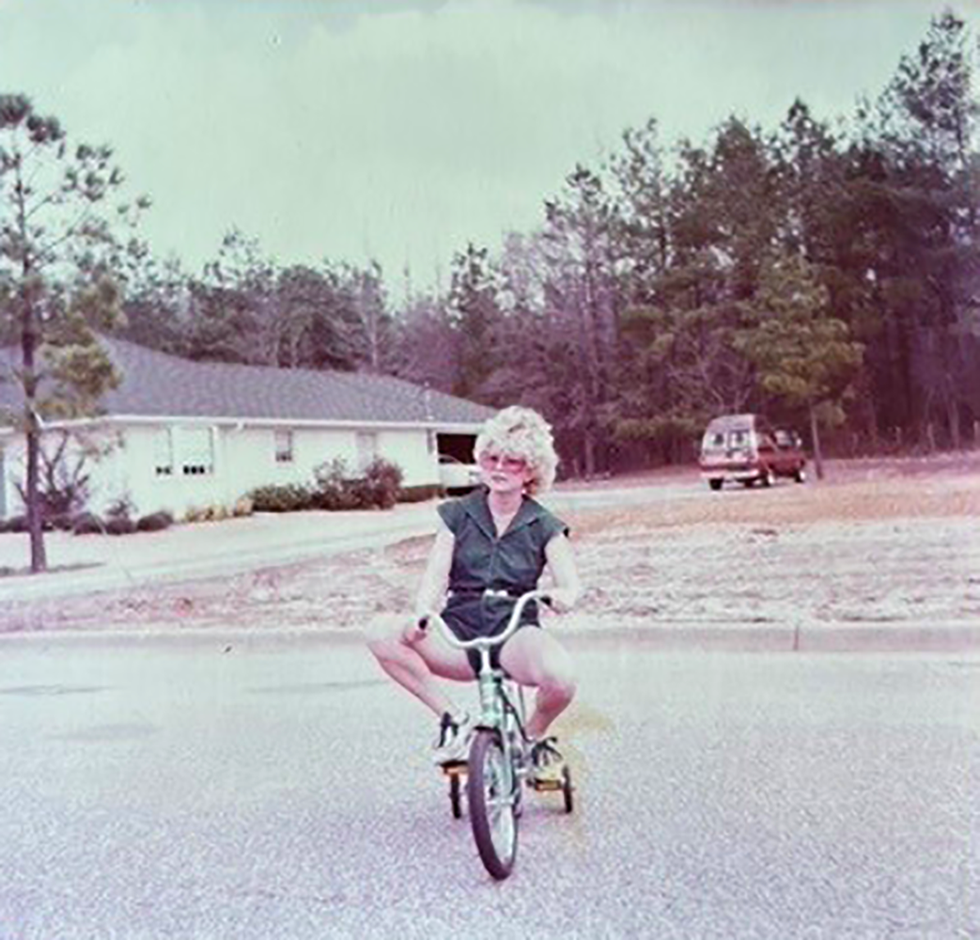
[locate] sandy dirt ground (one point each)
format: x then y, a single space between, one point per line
878 542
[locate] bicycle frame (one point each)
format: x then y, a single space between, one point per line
491 681
499 759
495 702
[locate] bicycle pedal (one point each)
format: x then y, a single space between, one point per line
545 786
454 768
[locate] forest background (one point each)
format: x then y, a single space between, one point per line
825 272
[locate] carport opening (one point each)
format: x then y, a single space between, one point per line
458 446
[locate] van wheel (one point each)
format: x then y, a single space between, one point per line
800 475
715 484
767 477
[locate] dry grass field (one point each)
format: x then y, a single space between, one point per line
877 542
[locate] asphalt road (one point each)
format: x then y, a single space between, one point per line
226 787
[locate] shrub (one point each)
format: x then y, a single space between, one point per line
155 522
381 483
334 486
243 507
419 494
288 498
121 508
87 523
120 525
378 487
61 521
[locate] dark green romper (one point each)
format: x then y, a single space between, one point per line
511 563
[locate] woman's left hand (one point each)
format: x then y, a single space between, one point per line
562 599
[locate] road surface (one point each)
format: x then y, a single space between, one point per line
226 786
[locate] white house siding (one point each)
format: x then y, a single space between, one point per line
100 470
409 448
243 458
250 455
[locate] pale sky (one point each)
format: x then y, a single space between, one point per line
399 131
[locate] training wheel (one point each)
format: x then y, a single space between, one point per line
567 789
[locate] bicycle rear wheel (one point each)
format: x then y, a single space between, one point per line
492 795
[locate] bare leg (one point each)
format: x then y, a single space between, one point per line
414 667
534 657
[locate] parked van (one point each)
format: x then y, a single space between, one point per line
747 448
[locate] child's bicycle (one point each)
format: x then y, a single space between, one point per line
499 763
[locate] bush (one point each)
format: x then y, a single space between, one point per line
87 523
382 480
334 486
62 522
120 525
419 494
291 497
243 507
155 522
336 489
213 513
121 508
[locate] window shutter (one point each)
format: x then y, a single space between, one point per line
196 451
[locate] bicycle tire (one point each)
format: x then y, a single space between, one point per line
492 811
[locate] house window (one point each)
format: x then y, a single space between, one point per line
196 451
367 448
284 446
163 452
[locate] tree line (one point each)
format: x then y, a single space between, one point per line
825 271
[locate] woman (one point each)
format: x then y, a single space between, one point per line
491 547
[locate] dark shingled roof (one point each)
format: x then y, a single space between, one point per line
159 384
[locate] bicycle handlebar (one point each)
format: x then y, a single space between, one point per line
497 639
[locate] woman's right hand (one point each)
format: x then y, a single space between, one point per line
413 631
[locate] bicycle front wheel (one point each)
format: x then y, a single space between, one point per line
492 795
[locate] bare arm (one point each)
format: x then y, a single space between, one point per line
432 591
561 562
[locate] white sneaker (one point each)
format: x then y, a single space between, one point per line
453 742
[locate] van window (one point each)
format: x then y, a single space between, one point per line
740 439
714 439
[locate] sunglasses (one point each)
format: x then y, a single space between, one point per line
498 461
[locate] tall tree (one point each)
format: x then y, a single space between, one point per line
473 310
58 256
581 293
916 182
804 357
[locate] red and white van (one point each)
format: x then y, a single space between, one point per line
747 449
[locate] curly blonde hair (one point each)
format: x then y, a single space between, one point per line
523 433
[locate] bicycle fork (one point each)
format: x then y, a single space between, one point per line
499 715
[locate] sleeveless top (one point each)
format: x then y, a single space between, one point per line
509 565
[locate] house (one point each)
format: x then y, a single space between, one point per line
178 434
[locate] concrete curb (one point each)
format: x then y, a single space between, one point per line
953 637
